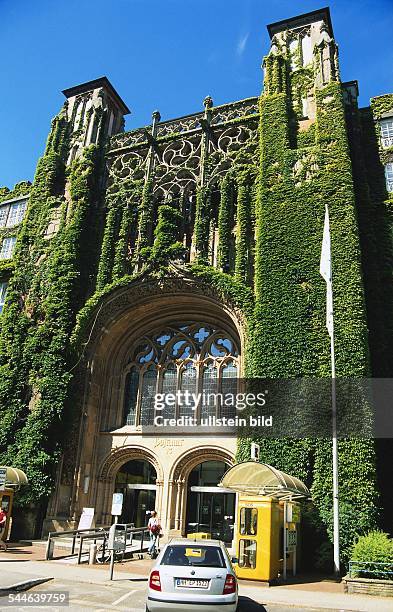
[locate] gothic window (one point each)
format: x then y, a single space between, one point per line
387 132
307 50
3 291
131 394
7 247
3 215
293 50
12 213
183 360
16 214
389 177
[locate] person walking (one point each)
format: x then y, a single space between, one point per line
154 528
3 522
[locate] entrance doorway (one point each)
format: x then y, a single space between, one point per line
137 481
210 509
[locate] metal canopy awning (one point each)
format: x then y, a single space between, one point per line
255 478
14 478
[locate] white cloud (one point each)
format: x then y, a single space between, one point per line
241 44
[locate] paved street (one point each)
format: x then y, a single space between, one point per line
121 597
90 589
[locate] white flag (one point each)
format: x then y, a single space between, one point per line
326 272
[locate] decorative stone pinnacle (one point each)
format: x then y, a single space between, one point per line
156 115
208 102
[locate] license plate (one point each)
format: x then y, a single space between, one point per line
192 583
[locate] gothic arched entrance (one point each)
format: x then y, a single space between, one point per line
136 479
210 509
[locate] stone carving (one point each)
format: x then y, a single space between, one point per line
130 165
129 139
185 465
237 110
119 456
305 168
177 281
177 162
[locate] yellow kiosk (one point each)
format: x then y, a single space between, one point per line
11 480
268 517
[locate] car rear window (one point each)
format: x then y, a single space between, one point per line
199 556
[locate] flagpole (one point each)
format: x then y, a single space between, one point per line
336 523
326 273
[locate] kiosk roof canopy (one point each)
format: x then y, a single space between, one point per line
14 477
262 479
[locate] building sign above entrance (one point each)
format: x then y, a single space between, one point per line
169 445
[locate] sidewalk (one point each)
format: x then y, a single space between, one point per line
323 594
24 563
21 564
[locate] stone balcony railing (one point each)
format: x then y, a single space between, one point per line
219 115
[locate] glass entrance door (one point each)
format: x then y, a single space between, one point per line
212 513
210 509
136 504
136 480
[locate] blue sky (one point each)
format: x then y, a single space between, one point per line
159 54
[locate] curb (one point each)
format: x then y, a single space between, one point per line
303 606
24 585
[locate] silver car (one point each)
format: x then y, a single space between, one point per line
193 575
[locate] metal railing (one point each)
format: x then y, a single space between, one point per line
75 534
132 534
103 535
373 569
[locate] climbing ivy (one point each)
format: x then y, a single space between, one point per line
244 217
166 242
146 212
226 215
202 224
46 290
288 336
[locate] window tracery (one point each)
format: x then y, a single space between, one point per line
188 357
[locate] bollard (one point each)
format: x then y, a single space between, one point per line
49 549
92 554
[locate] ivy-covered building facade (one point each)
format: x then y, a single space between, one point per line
184 255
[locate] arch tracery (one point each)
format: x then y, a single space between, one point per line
118 457
186 463
180 360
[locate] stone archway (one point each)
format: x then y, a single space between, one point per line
107 474
123 316
179 477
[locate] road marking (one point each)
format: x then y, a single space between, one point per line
89 604
115 603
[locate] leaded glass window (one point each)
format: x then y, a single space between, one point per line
16 213
7 247
12 213
184 359
389 177
3 291
3 214
386 126
131 396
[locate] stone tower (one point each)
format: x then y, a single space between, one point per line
88 104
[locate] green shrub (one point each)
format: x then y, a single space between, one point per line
373 548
